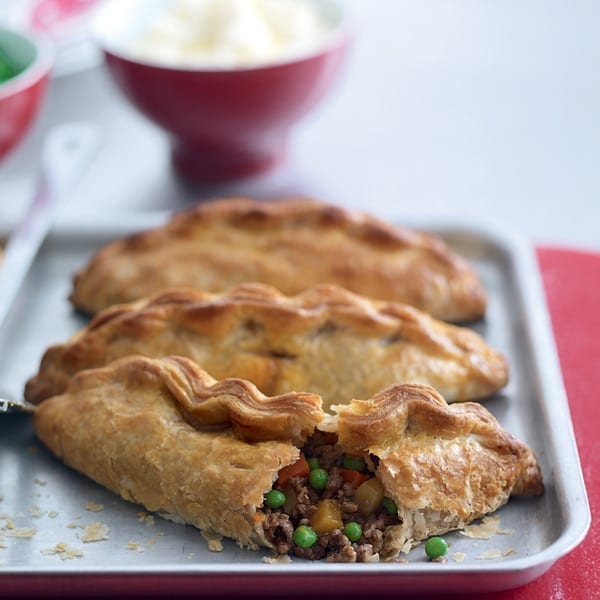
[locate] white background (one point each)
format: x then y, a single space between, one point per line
468 109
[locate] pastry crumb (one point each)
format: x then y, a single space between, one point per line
397 560
459 556
373 558
93 507
488 528
64 551
52 514
144 517
160 533
25 533
134 546
495 553
95 532
215 541
279 559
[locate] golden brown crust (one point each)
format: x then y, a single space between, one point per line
444 466
237 403
290 244
326 340
123 427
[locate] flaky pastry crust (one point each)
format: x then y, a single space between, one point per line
290 244
237 403
327 340
444 466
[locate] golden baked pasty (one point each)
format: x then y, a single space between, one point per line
164 434
326 340
290 244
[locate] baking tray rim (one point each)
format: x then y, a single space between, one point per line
531 294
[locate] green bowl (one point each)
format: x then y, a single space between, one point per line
25 65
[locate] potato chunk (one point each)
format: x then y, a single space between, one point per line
327 517
369 496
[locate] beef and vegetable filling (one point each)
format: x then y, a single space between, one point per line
328 505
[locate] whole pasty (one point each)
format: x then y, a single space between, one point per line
289 244
164 434
326 340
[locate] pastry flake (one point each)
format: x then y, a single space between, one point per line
328 340
290 244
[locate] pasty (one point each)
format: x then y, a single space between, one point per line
289 244
445 466
127 427
164 434
326 340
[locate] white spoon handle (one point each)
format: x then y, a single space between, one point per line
66 151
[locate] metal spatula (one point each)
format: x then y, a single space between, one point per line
66 152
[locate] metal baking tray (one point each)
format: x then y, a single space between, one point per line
46 508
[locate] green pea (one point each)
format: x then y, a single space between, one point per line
305 536
436 547
275 499
313 463
353 531
390 506
318 478
355 463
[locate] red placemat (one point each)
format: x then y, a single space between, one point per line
572 283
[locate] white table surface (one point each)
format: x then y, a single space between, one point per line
464 109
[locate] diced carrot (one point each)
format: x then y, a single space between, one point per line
298 469
354 478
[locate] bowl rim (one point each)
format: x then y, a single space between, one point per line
339 36
37 70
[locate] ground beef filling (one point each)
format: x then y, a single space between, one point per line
302 500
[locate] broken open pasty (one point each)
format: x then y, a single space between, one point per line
223 457
326 340
289 244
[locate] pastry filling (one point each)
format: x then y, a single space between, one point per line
328 505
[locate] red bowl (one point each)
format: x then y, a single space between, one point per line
21 96
226 123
